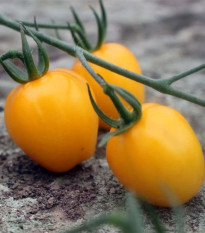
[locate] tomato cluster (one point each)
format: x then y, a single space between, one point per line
52 119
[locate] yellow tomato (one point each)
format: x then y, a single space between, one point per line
159 153
52 120
118 55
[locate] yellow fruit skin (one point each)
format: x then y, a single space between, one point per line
118 55
52 120
160 154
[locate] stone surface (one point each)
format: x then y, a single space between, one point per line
168 38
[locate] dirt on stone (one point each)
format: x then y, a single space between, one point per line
69 191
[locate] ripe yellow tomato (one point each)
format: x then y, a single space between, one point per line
52 120
118 55
159 153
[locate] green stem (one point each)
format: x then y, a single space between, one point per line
43 25
162 86
186 73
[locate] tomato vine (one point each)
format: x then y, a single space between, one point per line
161 85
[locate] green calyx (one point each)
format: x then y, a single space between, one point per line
78 31
127 118
33 72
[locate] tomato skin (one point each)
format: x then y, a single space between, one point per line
118 55
160 152
52 120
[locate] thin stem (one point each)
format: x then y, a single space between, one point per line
81 57
186 73
35 23
162 86
56 31
44 25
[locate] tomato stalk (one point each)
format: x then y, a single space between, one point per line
161 85
127 118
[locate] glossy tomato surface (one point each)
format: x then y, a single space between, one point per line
159 158
52 120
118 55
